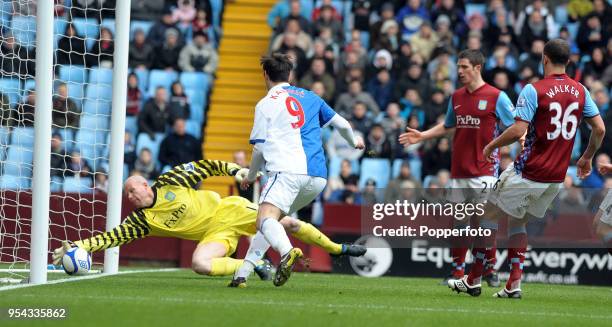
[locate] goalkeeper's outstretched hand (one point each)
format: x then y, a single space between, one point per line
58 253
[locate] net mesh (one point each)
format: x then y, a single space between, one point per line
82 92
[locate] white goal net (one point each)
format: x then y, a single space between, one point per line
84 34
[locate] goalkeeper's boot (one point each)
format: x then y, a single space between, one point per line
514 294
351 250
264 269
492 279
238 282
286 266
461 285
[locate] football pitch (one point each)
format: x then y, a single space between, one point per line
182 298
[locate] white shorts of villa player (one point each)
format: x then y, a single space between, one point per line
473 190
291 192
606 208
518 196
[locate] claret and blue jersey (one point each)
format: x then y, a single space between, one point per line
553 107
287 130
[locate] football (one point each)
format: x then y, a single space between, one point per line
76 261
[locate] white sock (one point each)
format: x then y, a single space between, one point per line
275 235
258 247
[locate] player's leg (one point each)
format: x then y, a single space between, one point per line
517 246
603 221
211 259
309 234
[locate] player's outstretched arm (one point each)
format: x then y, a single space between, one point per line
509 136
605 169
257 162
132 228
598 131
190 174
413 136
346 131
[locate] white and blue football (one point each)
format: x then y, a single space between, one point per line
76 261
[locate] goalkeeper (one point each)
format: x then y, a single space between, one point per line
173 208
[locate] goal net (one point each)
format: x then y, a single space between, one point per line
84 34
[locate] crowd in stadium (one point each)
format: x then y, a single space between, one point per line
383 65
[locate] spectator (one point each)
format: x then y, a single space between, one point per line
157 33
101 181
591 34
392 123
339 186
179 104
435 107
179 147
326 3
167 55
147 9
129 150
282 9
454 15
602 100
412 105
289 46
393 191
382 60
425 41
145 165
389 36
442 68
595 180
359 119
597 65
134 96
71 48
381 88
303 39
141 51
295 14
327 20
437 158
386 14
77 166
199 56
155 114
534 29
378 144
411 17
240 159
26 110
413 78
184 13
8 115
65 114
58 156
17 60
368 195
577 9
346 101
500 26
337 147
502 82
201 22
101 54
317 73
534 57
543 15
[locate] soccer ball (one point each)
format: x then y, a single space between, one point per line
76 261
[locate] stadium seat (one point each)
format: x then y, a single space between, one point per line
23 136
427 180
30 84
99 92
24 30
131 125
11 88
87 28
94 122
397 166
59 29
197 98
161 78
19 161
5 138
91 145
377 169
99 107
57 184
143 78
11 182
101 76
217 7
67 135
194 128
572 171
73 73
416 166
140 24
76 92
195 81
144 141
78 185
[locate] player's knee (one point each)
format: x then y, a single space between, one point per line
291 225
202 266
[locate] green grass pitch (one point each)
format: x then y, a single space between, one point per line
182 298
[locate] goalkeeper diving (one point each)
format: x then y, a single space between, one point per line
171 207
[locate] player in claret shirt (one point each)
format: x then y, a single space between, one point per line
477 113
549 111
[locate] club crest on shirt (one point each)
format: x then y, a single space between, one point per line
520 102
170 196
482 105
189 166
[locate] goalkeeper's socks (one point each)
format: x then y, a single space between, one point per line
458 255
311 235
224 266
276 236
257 249
517 246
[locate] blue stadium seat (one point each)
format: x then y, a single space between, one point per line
91 146
30 84
110 24
99 92
57 184
572 171
416 166
87 28
194 128
73 73
19 161
59 29
195 81
67 135
76 91
427 180
161 78
144 141
335 163
94 122
11 88
101 76
143 78
10 182
140 24
23 136
24 30
397 166
131 125
78 185
217 7
5 139
377 169
197 98
99 107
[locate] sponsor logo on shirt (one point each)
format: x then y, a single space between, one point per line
482 105
468 121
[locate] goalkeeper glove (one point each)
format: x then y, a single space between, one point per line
243 173
58 253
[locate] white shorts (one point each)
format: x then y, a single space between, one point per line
606 209
291 192
474 190
518 196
